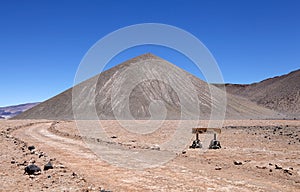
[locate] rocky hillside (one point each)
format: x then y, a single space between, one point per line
280 93
11 111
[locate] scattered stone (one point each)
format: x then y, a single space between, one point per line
74 174
22 164
32 169
288 171
30 148
155 147
183 152
103 190
31 176
32 161
48 166
113 137
218 168
261 167
237 163
13 161
278 166
270 170
60 166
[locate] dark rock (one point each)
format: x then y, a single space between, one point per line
261 167
103 190
48 166
278 166
114 137
288 171
32 169
218 168
155 147
22 164
237 163
30 148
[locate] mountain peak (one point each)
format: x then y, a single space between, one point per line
145 57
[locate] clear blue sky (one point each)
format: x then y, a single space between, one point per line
43 42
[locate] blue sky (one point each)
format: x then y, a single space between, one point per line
43 42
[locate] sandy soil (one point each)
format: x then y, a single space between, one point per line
259 146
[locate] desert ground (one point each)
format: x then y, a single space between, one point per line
256 155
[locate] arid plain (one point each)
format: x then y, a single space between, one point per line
256 155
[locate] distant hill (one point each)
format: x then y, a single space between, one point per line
281 93
11 111
143 94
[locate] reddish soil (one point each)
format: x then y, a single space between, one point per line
259 146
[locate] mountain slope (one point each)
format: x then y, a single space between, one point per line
145 87
279 93
11 111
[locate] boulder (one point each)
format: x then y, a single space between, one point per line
48 166
32 169
30 148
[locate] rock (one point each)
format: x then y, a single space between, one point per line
22 164
48 166
113 137
261 167
218 168
60 166
32 161
155 147
237 163
183 152
32 169
74 174
288 171
278 166
30 148
103 190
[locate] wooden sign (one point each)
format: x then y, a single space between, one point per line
206 130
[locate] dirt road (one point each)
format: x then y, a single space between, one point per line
192 171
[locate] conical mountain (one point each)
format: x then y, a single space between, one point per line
145 87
